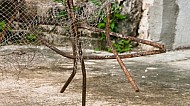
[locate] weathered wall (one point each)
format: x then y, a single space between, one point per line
151 22
133 11
182 38
166 21
169 18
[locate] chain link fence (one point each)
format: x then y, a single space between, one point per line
23 21
20 19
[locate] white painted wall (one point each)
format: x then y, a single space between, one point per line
151 22
167 22
182 38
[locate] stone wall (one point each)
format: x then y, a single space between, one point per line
133 11
166 21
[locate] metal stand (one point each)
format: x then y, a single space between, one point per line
78 55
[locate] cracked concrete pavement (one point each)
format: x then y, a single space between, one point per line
163 79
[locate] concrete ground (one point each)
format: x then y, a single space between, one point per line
163 80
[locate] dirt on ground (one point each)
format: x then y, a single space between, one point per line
39 82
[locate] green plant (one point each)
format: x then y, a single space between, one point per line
96 2
122 46
59 1
31 37
63 13
2 25
116 17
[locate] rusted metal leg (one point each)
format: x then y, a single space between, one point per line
74 68
84 83
134 85
70 78
83 75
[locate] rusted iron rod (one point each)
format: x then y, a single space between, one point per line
83 74
122 56
73 72
96 57
46 43
128 75
122 36
76 45
69 7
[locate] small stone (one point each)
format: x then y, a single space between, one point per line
151 68
145 70
143 77
136 96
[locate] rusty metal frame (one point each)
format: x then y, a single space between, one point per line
79 55
77 49
76 45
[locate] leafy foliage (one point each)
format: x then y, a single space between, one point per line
61 14
2 25
116 17
96 2
122 46
59 1
31 37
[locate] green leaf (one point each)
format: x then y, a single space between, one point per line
115 29
9 29
121 43
31 37
120 16
104 20
62 13
97 49
109 50
2 25
112 26
101 25
96 2
59 1
103 36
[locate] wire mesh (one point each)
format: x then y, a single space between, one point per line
23 21
20 20
29 23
